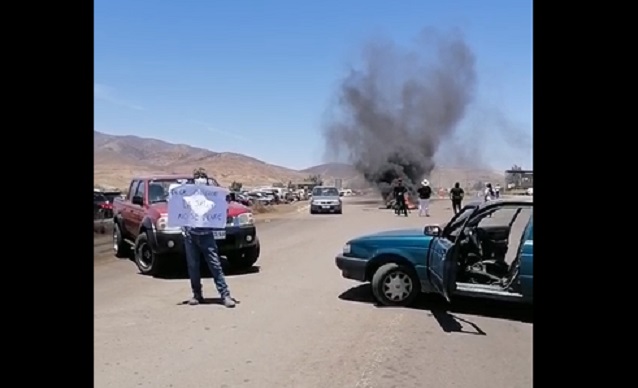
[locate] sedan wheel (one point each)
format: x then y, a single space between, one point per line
395 285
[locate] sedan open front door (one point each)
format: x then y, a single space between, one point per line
442 256
442 266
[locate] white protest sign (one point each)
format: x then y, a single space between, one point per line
197 206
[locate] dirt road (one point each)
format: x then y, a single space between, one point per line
300 324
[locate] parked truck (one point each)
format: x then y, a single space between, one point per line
140 224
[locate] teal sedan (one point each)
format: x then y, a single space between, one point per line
484 251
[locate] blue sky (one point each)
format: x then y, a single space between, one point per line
236 75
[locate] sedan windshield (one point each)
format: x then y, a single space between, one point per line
325 192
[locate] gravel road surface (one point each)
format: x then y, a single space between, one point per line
300 324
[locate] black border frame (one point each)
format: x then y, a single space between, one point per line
49 58
55 323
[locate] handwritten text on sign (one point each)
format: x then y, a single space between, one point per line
197 206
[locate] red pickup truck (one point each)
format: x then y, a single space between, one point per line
139 222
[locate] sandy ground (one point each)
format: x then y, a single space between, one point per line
300 324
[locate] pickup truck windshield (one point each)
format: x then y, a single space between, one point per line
325 192
158 189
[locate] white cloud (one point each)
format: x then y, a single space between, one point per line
107 94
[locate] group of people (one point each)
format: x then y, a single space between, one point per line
425 193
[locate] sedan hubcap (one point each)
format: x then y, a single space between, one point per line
397 286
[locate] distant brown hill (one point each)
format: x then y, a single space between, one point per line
118 158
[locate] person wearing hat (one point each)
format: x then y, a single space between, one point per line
425 192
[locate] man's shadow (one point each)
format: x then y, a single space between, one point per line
209 301
445 313
176 269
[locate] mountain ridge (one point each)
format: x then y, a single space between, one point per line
117 158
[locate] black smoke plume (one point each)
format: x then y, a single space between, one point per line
395 111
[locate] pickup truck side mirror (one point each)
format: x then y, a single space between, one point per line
432 230
137 200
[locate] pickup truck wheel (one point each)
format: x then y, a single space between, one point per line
121 248
245 260
395 285
146 260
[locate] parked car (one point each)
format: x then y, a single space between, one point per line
102 207
112 195
325 199
485 251
140 222
260 198
240 198
272 195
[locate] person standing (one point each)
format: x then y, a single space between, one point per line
200 243
497 191
456 195
425 192
400 192
488 194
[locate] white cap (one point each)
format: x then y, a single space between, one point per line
425 182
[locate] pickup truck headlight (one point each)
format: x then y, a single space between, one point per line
346 249
245 219
162 225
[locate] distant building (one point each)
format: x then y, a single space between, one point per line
519 179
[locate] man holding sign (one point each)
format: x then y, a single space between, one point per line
200 210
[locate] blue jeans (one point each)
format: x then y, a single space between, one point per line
204 245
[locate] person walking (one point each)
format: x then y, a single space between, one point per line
425 192
200 243
456 195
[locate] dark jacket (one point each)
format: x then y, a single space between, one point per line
425 192
457 194
399 192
